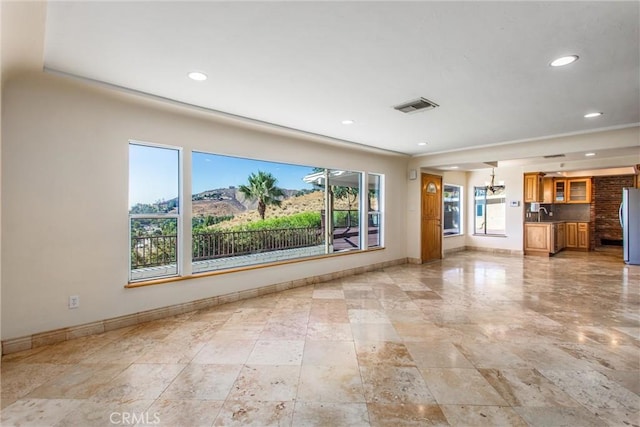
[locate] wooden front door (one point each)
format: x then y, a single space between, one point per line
431 213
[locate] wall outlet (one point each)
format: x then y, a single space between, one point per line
74 301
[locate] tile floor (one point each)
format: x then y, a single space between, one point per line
476 339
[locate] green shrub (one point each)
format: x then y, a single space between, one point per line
299 220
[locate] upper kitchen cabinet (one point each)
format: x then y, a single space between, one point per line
548 195
533 187
578 190
559 190
556 190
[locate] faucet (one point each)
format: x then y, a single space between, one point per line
542 208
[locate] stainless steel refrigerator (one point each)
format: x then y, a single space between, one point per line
630 222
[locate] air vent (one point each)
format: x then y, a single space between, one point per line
420 104
553 156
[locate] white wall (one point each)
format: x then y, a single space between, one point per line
514 181
412 241
413 208
21 48
513 178
65 199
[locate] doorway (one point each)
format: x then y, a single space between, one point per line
431 218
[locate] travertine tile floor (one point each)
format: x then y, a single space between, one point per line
476 339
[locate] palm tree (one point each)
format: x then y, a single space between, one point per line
262 188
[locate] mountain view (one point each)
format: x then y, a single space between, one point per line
227 201
234 208
230 202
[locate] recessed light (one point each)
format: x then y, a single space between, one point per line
565 60
348 122
422 143
197 76
590 154
454 167
592 115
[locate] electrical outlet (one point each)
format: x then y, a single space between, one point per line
74 301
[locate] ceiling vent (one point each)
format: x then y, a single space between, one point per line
421 104
553 156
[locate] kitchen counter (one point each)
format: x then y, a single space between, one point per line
552 236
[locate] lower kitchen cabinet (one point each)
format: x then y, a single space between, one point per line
537 238
577 235
545 238
571 235
583 235
560 238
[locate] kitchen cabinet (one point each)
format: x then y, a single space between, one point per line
548 190
533 187
571 236
578 190
559 239
583 235
537 238
543 238
559 190
577 235
556 190
548 238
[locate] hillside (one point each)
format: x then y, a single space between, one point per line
312 202
226 201
217 207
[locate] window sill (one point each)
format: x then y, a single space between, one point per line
446 236
489 235
173 279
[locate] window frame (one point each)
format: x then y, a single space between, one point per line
184 215
460 206
330 206
379 213
180 256
325 179
475 210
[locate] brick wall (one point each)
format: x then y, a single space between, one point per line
594 240
608 196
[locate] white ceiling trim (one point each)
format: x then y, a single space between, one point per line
236 120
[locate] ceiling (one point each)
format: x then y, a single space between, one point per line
311 65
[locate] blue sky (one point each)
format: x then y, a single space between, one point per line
213 171
153 173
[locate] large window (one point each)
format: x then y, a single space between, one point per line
247 212
244 212
452 210
154 211
490 210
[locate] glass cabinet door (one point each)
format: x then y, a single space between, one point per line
559 191
579 191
